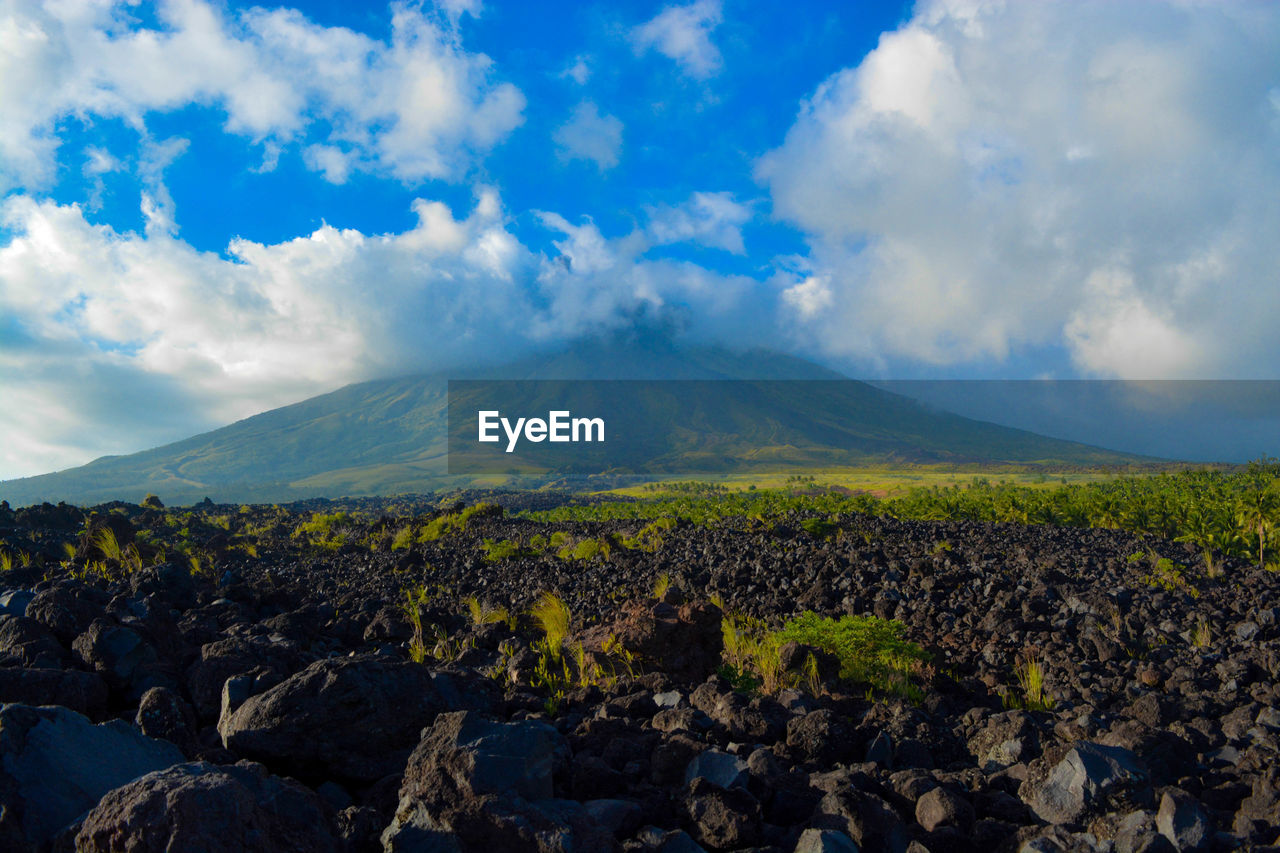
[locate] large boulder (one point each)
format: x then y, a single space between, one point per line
464 755
354 719
55 765
121 655
231 656
721 818
25 642
1184 822
67 609
1091 779
1007 738
205 808
475 785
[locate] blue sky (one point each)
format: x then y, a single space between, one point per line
209 210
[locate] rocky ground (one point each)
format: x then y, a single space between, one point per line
264 696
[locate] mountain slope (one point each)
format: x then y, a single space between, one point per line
389 436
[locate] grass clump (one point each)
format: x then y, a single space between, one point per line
649 538
414 599
586 549
128 557
322 530
1030 675
485 614
455 522
563 665
505 549
819 528
1202 634
870 650
552 617
403 539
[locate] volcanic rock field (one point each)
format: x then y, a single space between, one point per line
394 676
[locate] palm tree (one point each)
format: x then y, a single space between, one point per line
1260 504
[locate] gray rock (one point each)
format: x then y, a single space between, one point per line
820 736
203 808
343 718
1006 739
495 823
718 768
675 841
1137 834
465 755
866 818
415 835
119 654
1092 778
163 714
28 643
1184 822
669 699
721 818
825 841
1246 631
14 602
943 807
1269 717
55 764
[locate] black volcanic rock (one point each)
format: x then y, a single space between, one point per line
346 718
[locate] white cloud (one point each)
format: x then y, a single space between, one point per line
579 72
683 34
1000 176
185 340
418 107
330 161
711 219
588 135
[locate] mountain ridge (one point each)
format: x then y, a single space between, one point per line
389 436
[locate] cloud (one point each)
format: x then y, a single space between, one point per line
417 106
996 177
114 341
588 135
710 219
683 34
579 72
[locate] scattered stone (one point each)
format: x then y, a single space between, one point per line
1091 778
1184 822
718 768
943 807
825 841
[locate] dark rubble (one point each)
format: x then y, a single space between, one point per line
274 690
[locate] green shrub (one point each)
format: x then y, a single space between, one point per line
869 649
503 550
403 540
819 528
